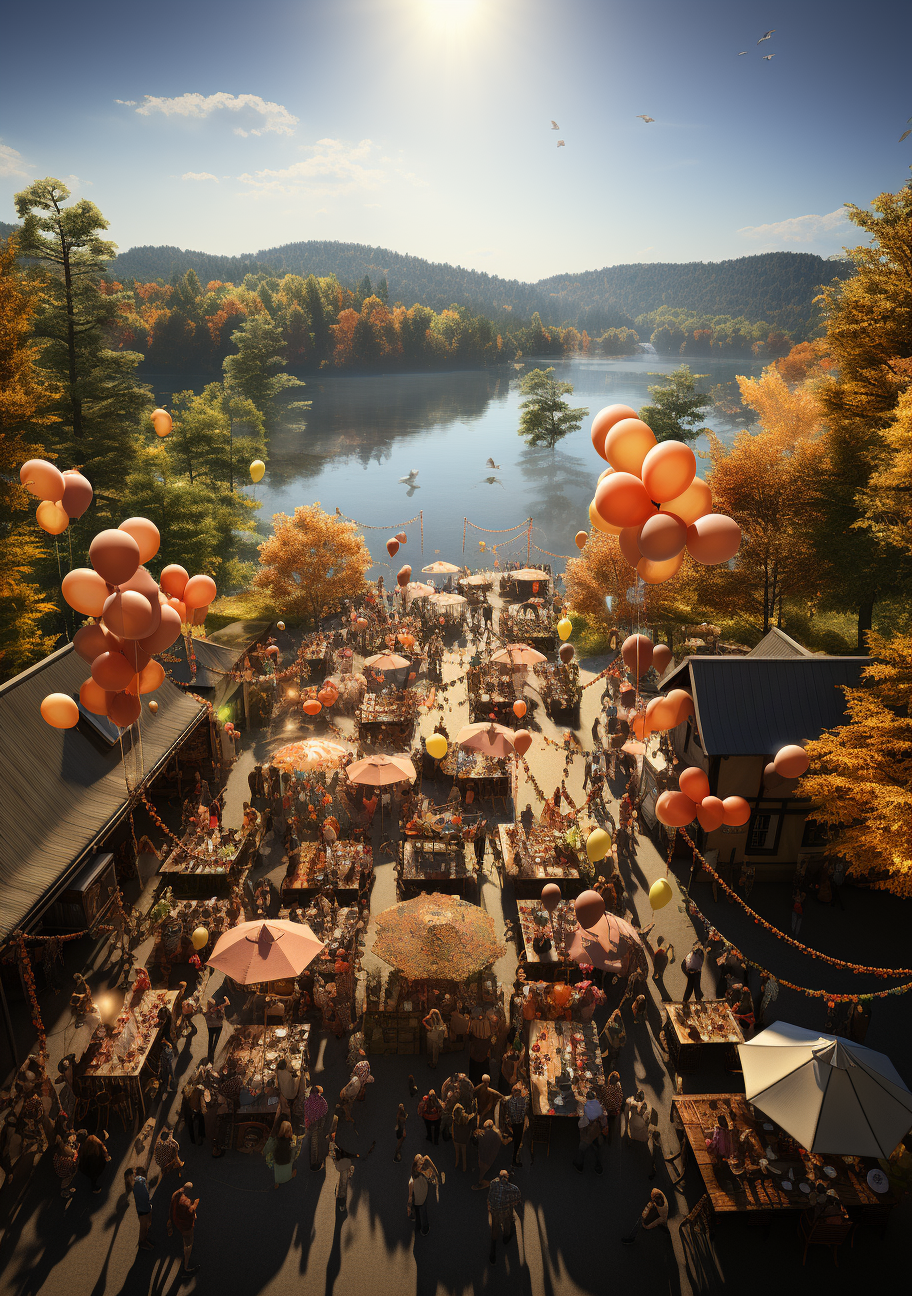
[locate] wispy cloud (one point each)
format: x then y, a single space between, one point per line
199 175
127 103
275 117
12 162
334 167
798 229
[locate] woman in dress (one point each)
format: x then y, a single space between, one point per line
436 1034
282 1151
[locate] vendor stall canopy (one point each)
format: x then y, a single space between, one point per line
64 789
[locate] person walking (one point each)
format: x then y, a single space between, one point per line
182 1216
592 1124
344 1163
611 1096
347 1095
143 1203
615 1034
167 1152
214 1017
490 1141
93 1157
424 1173
463 1127
315 1111
661 954
693 971
66 1162
504 1198
798 899
653 1216
282 1151
486 1098
518 1117
192 1111
166 1067
430 1112
436 1034
401 1118
637 1125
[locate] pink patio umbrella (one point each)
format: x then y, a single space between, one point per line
488 739
612 944
377 771
266 950
516 655
386 661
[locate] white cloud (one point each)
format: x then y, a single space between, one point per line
199 175
798 229
127 103
12 162
275 117
334 167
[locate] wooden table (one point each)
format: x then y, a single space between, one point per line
530 862
437 866
493 776
106 1069
550 962
394 712
248 1046
550 1037
759 1189
337 867
191 876
702 1032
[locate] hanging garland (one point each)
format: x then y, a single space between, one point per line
28 978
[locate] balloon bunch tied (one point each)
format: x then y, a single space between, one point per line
64 496
694 800
651 498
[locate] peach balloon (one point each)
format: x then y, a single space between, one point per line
662 537
94 698
653 573
51 518
77 494
42 480
736 811
392 547
662 657
694 783
656 715
136 655
791 761
85 591
161 421
682 703
628 543
180 608
675 809
112 671
598 523
149 678
605 473
146 535
89 641
622 501
639 726
143 582
519 708
59 711
627 445
124 709
129 614
713 538
199 592
693 503
636 651
711 813
604 421
114 555
580 539
312 707
403 576
168 631
668 470
174 580
522 741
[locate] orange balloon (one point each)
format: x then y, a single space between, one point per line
161 421
636 651
654 573
178 606
312 707
693 503
605 473
392 547
52 518
657 715
94 698
199 592
694 783
114 555
169 627
662 657
174 580
519 708
683 704
668 470
599 524
675 809
711 813
639 726
604 421
401 537
129 614
77 494
627 445
561 994
736 811
662 537
522 741
580 539
146 535
42 480
85 591
628 543
135 654
714 538
404 575
59 711
112 671
149 678
89 641
622 501
124 709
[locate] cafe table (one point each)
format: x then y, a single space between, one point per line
564 1062
702 1033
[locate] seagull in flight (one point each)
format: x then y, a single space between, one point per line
561 144
410 479
905 135
767 57
490 481
766 36
554 125
491 464
642 117
740 52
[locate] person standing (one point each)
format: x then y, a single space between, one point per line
436 1034
344 1163
486 1098
798 899
592 1125
315 1110
167 1152
479 1044
638 1125
192 1111
143 1204
93 1157
214 1016
166 1067
463 1128
661 954
282 1150
182 1216
430 1112
518 1116
424 1173
490 1141
401 1118
693 971
66 1163
504 1198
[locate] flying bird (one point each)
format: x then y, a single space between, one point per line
905 135
766 57
765 37
561 144
410 479
491 464
740 52
554 125
642 117
490 481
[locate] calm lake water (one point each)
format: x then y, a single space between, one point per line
364 433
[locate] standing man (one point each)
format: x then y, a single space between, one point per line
490 1141
143 1205
214 1016
518 1116
693 970
182 1216
503 1199
315 1110
592 1125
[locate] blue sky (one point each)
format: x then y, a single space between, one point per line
424 125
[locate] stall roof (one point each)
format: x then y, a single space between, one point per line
776 643
752 706
527 574
213 663
63 787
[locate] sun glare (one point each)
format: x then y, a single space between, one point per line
450 14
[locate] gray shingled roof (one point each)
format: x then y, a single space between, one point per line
752 706
776 643
213 662
62 787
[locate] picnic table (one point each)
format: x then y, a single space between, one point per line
564 1062
337 866
543 855
427 865
752 1182
700 1032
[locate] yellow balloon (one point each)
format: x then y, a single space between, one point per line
565 627
659 894
600 524
199 938
482 544
598 844
436 746
257 468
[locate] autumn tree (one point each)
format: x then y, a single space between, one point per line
312 561
26 395
546 417
678 407
860 778
886 502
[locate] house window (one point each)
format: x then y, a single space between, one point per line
764 829
815 834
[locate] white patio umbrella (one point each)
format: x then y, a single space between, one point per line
833 1096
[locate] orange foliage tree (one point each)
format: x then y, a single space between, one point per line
312 562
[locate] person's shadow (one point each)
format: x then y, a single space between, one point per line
334 1263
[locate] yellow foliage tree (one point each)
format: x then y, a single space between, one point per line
861 773
312 562
887 501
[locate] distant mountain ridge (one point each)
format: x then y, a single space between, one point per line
777 287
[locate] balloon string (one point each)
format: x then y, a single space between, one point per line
66 626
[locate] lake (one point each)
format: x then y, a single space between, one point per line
365 432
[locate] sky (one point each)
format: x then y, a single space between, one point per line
424 126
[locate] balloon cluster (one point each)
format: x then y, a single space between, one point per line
64 496
392 546
694 801
652 500
790 762
137 617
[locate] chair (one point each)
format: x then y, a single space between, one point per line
826 1230
701 1217
539 1132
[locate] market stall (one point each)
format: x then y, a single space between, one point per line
547 938
205 865
177 920
530 623
524 583
539 856
255 1053
387 718
488 776
433 865
122 1060
475 589
702 1033
344 866
559 686
564 1062
316 657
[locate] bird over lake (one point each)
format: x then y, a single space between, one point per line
561 144
491 464
765 36
642 117
554 125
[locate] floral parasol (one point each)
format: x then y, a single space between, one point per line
439 937
309 754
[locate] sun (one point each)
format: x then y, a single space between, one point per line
450 14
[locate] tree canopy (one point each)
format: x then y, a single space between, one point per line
546 417
311 562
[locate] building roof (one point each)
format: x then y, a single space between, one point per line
62 788
776 643
752 706
211 667
239 634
